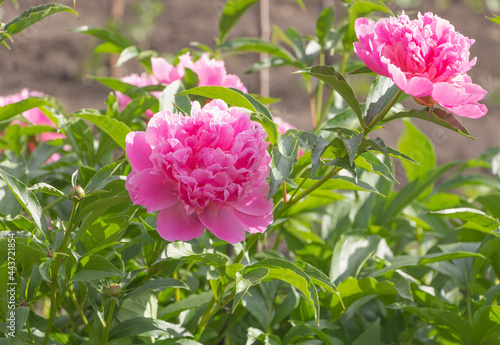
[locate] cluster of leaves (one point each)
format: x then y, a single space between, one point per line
351 258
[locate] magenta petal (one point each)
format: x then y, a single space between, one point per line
174 224
146 188
256 203
416 86
138 151
223 223
255 224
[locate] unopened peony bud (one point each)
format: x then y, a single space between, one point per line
114 290
76 194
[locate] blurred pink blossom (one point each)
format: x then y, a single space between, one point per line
35 116
426 58
207 170
210 72
139 80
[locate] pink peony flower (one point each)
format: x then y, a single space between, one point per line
426 58
207 170
210 71
139 80
36 117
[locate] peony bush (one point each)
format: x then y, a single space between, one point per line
187 212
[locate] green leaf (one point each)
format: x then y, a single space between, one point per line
137 107
370 162
34 15
410 192
158 284
245 281
330 76
372 335
46 188
105 35
186 251
218 92
231 13
415 144
128 54
259 46
448 321
117 130
352 290
268 125
323 25
352 145
473 218
259 107
317 145
486 325
13 109
189 302
171 101
350 254
147 327
100 178
283 158
290 273
380 96
95 267
439 117
28 201
340 182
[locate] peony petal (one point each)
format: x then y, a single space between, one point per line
138 151
447 94
147 188
174 224
223 223
255 224
472 110
416 86
164 71
256 203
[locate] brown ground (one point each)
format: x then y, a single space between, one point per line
50 59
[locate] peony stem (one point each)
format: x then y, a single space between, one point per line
315 186
109 320
55 274
380 116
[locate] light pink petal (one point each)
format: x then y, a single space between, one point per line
371 60
232 80
255 224
256 203
52 136
147 188
472 110
223 223
447 94
174 224
164 71
138 150
416 86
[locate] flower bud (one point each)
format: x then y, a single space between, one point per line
76 194
114 290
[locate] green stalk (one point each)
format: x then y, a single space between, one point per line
319 99
315 186
109 319
55 273
252 239
380 116
312 106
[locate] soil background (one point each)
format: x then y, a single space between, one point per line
49 58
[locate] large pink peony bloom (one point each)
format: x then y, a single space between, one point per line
210 71
425 57
207 170
139 80
35 116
